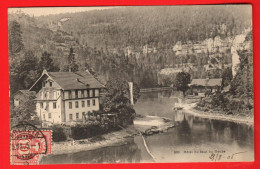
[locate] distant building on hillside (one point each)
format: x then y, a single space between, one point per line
149 49
200 86
66 96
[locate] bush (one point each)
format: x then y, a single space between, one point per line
83 131
201 103
58 133
219 100
35 121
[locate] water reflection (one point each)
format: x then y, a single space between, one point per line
128 153
184 131
199 130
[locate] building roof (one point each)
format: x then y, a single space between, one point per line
73 80
206 82
26 92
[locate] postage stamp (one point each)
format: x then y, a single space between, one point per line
27 146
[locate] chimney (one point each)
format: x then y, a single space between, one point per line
44 71
77 79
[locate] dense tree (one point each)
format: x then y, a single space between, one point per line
181 82
226 77
15 38
23 73
47 63
242 83
117 99
72 65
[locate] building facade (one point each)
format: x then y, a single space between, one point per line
64 97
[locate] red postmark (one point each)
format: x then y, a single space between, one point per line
28 145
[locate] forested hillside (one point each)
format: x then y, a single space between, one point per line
160 27
135 43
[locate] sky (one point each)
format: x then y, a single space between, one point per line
38 11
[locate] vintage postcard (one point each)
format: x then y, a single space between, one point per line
131 84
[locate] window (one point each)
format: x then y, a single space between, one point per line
41 104
96 92
49 115
85 93
73 94
50 84
90 93
70 95
43 116
77 115
88 102
70 116
79 94
76 94
94 102
93 92
77 104
82 93
54 105
43 84
47 95
83 103
47 106
83 114
70 105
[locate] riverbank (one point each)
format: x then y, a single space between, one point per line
192 109
147 125
105 140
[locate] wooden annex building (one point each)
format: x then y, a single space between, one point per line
200 86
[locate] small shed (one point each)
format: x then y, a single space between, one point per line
23 96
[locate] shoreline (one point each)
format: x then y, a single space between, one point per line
190 109
145 125
114 138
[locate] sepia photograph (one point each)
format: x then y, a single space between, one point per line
131 84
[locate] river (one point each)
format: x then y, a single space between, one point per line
195 139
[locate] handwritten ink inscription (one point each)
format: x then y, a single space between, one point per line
219 157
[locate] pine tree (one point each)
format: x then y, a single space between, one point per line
47 63
72 63
15 38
